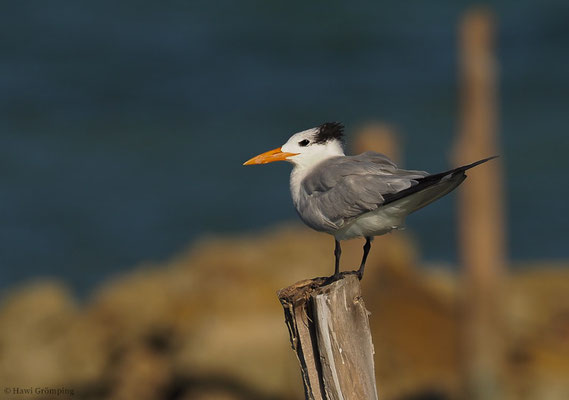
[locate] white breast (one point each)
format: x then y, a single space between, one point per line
296 176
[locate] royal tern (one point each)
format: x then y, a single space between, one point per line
354 196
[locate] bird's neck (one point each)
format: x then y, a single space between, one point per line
303 166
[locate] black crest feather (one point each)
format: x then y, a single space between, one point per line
329 131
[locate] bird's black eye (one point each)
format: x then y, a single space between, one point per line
304 142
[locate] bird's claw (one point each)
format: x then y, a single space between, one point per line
332 278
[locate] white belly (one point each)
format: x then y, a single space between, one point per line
373 223
392 216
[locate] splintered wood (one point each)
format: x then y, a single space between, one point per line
329 331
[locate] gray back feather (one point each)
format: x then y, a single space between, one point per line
342 188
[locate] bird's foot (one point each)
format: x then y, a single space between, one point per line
359 273
333 278
339 275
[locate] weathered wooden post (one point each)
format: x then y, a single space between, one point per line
329 331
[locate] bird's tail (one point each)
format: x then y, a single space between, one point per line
455 171
432 187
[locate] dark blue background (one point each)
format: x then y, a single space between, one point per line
123 125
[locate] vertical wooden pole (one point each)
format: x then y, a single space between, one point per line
329 331
481 219
378 137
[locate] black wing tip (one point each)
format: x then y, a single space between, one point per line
474 164
455 171
330 131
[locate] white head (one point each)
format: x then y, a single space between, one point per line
308 147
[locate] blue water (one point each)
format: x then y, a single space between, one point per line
123 125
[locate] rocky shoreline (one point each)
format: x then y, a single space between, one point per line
208 325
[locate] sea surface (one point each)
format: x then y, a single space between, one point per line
123 125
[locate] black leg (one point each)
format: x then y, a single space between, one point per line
337 253
367 246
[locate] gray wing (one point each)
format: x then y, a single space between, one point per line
342 188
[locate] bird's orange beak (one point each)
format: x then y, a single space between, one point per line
269 156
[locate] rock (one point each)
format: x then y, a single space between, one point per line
208 325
